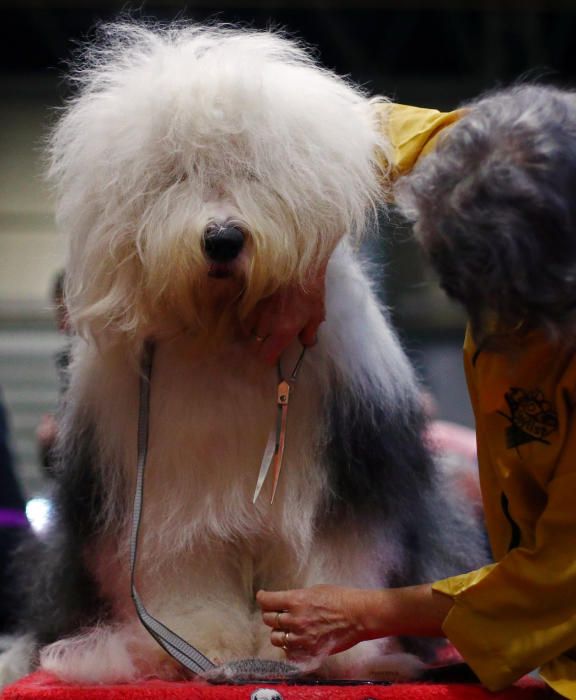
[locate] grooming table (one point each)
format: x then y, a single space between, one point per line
41 686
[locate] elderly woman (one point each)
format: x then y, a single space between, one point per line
494 208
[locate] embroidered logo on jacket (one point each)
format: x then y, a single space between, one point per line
532 417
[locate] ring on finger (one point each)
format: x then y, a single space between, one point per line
278 625
285 641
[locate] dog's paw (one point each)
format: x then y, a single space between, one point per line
376 660
242 670
395 668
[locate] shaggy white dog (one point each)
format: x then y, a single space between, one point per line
198 171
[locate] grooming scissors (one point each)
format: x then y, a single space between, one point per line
275 447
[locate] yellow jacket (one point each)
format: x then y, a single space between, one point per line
518 614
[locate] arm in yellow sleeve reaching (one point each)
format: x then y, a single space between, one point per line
516 615
506 619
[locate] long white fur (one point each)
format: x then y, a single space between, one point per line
171 129
141 151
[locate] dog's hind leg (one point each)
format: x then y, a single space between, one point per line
110 653
60 594
17 658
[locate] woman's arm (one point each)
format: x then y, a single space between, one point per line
327 619
296 311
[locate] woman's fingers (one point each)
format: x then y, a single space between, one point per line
321 619
273 601
290 313
280 620
292 643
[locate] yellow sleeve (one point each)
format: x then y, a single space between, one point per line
516 615
412 132
469 353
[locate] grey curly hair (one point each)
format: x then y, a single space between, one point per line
495 208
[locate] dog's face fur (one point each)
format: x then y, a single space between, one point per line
183 133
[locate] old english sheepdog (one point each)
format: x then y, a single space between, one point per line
198 171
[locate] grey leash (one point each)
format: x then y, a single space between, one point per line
190 657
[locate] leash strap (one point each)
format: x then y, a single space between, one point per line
190 657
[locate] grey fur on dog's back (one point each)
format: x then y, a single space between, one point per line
381 469
382 473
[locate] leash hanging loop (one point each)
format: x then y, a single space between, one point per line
190 657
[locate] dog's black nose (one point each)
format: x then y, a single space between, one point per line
223 242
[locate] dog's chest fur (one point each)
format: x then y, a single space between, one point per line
210 417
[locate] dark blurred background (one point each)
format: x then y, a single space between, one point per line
434 54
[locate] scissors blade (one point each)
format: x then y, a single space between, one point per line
283 397
266 463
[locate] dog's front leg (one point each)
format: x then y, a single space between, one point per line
355 556
204 598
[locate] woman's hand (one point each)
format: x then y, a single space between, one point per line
319 620
290 313
323 619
